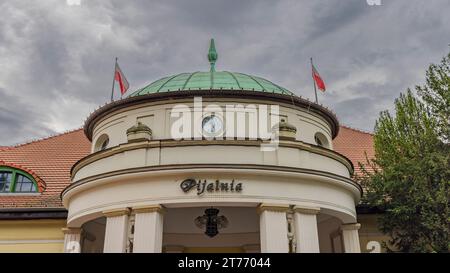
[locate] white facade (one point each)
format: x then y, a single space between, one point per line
127 198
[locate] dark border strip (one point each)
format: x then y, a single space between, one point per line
32 213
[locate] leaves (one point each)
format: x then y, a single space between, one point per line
410 174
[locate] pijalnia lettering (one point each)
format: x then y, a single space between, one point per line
205 186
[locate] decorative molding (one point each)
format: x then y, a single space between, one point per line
164 143
147 209
210 166
272 207
352 226
116 212
306 210
290 219
71 230
72 216
162 98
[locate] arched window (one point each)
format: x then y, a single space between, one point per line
321 140
16 181
102 143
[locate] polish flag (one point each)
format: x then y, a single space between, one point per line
318 79
120 77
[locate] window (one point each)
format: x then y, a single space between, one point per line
24 184
104 144
321 140
101 143
5 181
16 181
318 142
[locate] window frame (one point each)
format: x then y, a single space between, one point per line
11 180
14 175
323 139
100 143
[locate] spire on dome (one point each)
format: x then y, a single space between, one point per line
212 55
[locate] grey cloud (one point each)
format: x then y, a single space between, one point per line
57 60
17 119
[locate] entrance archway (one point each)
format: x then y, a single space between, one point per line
183 234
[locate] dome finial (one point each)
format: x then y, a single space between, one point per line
212 55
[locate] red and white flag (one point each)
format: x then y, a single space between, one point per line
120 77
317 79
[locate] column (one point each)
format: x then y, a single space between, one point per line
148 229
273 228
116 230
72 240
350 238
306 232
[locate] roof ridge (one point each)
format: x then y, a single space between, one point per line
43 138
357 130
3 148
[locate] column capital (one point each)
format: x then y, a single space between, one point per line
272 207
68 230
116 212
351 226
148 208
306 210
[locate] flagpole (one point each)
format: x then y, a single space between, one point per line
314 81
114 79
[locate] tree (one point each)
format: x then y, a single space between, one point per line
409 178
436 94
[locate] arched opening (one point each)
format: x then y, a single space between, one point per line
184 233
102 143
93 236
321 140
13 180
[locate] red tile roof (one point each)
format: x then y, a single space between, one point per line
49 160
354 144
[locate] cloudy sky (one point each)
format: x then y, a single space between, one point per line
56 60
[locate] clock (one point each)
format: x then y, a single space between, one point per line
212 125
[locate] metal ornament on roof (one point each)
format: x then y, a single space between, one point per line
211 222
212 55
211 80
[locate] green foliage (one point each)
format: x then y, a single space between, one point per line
410 175
436 94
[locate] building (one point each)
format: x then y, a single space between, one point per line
210 161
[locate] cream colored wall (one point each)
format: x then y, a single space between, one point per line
157 117
213 154
31 235
163 187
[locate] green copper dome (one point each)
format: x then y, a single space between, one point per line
215 80
212 80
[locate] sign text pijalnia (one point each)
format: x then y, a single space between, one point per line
216 186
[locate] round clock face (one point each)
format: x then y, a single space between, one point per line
212 125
